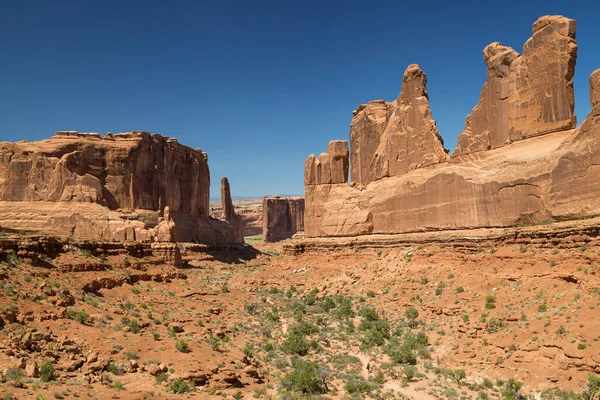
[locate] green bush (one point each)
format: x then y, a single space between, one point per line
179 386
344 307
592 388
160 378
357 385
133 325
47 372
182 346
295 344
511 389
14 374
411 313
306 377
304 328
400 353
249 350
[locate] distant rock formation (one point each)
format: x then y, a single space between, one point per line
110 187
527 95
330 167
518 161
282 218
229 212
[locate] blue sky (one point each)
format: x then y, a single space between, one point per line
258 85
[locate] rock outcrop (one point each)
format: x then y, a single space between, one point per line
282 217
330 167
390 139
229 214
110 187
529 166
165 230
528 95
595 87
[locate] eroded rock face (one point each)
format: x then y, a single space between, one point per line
165 230
282 218
595 87
530 164
528 95
109 187
389 139
549 177
490 115
129 170
229 213
328 168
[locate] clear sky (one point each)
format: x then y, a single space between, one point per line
258 85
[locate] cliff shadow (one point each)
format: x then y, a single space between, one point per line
234 254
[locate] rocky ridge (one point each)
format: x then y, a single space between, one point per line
522 164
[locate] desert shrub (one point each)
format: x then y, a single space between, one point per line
47 372
410 372
511 390
249 350
132 323
160 378
295 344
182 346
411 313
357 385
179 386
400 353
306 377
592 388
114 369
304 328
131 355
14 374
344 307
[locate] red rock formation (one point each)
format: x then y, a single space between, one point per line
595 87
537 169
111 187
528 95
389 139
229 212
282 218
330 167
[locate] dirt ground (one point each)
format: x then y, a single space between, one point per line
434 318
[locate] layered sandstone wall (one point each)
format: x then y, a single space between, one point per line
282 218
517 162
525 95
134 170
112 187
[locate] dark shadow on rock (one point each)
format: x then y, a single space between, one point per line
233 254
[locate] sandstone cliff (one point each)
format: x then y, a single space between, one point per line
595 87
282 218
107 187
518 161
527 95
389 139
